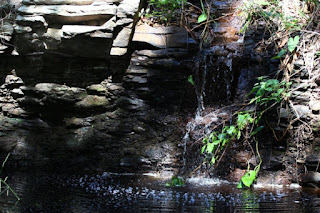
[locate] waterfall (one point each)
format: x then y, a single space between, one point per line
200 68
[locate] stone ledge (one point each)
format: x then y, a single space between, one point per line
163 37
68 10
67 2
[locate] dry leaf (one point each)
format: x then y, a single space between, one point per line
283 41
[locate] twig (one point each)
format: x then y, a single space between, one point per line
311 32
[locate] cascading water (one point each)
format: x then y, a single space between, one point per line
215 81
200 79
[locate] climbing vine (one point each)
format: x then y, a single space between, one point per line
287 36
267 93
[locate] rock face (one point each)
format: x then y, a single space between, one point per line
94 111
103 28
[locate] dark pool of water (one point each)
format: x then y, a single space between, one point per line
136 193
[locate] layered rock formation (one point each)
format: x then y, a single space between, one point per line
77 102
102 27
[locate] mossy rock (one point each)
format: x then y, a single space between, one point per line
92 102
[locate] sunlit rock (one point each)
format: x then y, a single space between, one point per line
162 37
92 102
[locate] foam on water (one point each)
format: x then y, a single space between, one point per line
206 181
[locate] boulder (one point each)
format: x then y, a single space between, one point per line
13 81
78 122
97 89
302 110
6 31
17 93
128 8
59 93
122 39
92 102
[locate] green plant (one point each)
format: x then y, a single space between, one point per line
267 92
4 187
293 43
203 17
190 80
176 181
165 10
271 12
251 175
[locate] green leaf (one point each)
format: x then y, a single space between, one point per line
176 181
163 2
203 149
205 140
212 136
224 142
269 89
280 54
292 43
243 120
252 100
279 91
213 160
202 5
190 80
248 178
203 17
210 147
240 185
262 78
239 135
240 120
222 136
231 130
258 129
216 142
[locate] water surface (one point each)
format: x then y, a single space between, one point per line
109 192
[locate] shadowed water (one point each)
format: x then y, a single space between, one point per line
110 192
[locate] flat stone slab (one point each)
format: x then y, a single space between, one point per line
66 2
146 29
72 30
118 51
68 10
31 20
162 37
